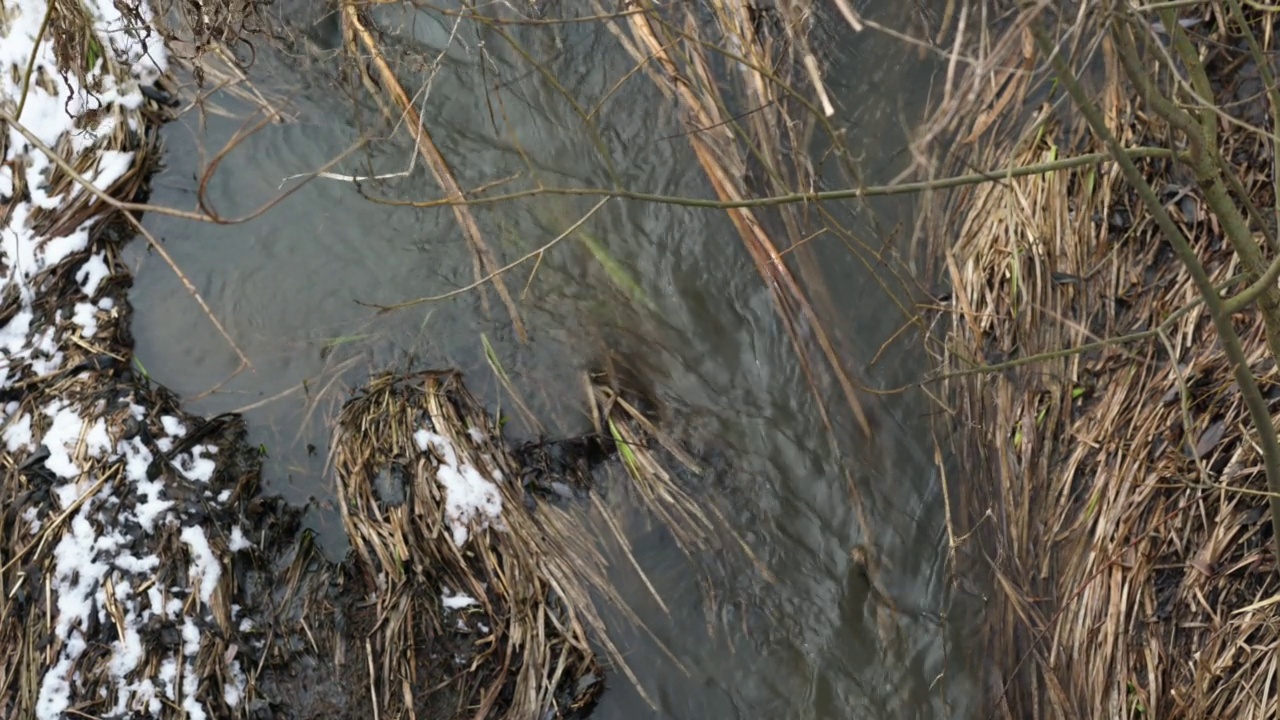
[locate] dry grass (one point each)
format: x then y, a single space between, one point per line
526 651
1115 494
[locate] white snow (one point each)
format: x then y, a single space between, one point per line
86 316
457 602
175 431
190 683
92 273
150 503
205 568
112 165
238 541
96 440
231 692
194 466
61 440
78 575
126 652
55 691
470 498
18 435
31 516
190 638
173 426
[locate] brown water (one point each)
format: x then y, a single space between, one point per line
815 642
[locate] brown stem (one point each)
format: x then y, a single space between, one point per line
1248 385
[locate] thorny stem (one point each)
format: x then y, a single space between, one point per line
1254 401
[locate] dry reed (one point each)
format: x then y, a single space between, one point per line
1115 494
525 649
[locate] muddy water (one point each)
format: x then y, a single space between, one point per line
697 327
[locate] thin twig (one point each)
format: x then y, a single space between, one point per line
906 188
516 263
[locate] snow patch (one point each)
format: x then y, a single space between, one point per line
470 497
457 602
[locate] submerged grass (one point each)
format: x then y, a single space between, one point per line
766 53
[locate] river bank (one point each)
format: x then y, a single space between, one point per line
123 516
1111 479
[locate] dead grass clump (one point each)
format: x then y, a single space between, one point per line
514 642
1115 489
457 615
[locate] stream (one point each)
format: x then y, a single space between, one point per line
679 304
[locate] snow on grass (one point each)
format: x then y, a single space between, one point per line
109 504
457 602
92 273
471 499
238 541
97 544
205 568
60 112
195 466
17 435
139 49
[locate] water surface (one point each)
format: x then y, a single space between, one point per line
815 642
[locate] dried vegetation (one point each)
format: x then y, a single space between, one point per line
1112 477
520 635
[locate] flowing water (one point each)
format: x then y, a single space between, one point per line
697 327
